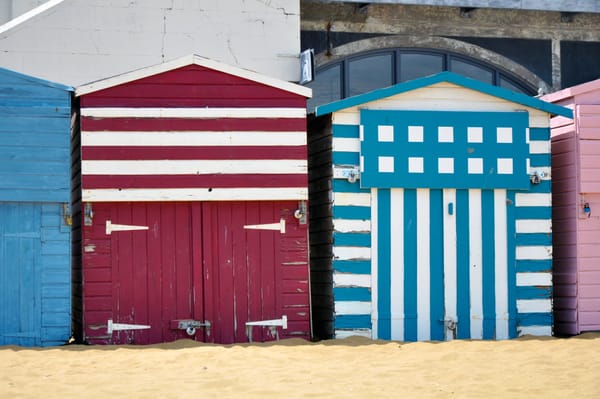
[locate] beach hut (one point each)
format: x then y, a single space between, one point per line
440 212
194 195
576 212
35 220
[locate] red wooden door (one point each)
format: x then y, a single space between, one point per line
225 263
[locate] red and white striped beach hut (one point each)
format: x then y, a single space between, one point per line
193 202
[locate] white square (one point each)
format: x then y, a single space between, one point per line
445 165
445 134
361 132
386 164
475 166
505 166
385 134
415 134
362 164
415 165
504 135
475 134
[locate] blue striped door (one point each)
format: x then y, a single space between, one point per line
20 293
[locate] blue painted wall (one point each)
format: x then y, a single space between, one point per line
35 267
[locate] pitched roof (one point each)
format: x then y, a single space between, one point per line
13 75
449 77
191 60
591 86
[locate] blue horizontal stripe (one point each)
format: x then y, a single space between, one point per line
352 294
534 292
534 239
346 131
539 160
353 321
534 319
539 133
524 266
352 266
344 186
533 212
352 212
352 239
346 158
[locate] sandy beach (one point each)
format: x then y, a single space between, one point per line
355 367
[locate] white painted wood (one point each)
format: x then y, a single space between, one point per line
194 167
501 264
110 227
349 253
533 199
423 266
341 334
191 138
539 147
352 199
28 15
374 264
534 252
268 226
534 305
534 226
540 279
351 225
541 331
188 60
352 307
201 113
346 145
192 194
475 264
396 237
351 280
450 282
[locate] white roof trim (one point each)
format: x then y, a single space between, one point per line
28 15
189 60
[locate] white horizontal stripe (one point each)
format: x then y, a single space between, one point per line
534 305
351 225
533 199
539 147
534 226
535 330
534 279
534 252
350 253
187 139
362 332
352 307
542 171
346 145
352 199
351 280
204 113
193 194
192 167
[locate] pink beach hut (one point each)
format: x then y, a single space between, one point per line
576 209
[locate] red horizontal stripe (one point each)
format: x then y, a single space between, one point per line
193 181
190 124
175 153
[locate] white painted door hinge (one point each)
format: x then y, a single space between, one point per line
122 326
272 324
110 227
269 226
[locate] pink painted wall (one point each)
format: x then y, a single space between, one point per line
576 234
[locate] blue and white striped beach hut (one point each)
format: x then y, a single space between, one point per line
440 213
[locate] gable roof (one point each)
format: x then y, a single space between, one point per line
449 77
13 75
591 86
192 60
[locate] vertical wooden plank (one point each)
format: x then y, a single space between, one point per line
253 242
240 270
167 256
198 289
183 264
122 248
153 278
139 272
210 271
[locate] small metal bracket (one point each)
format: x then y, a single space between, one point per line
350 173
66 214
300 213
272 324
88 214
190 326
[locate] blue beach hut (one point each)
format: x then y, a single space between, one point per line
35 272
438 210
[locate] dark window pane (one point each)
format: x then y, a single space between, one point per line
413 66
369 73
507 84
326 87
471 70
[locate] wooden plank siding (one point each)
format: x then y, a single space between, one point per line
35 127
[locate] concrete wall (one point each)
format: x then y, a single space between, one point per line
80 41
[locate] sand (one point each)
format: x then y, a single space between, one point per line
347 368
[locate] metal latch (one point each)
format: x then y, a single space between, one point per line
350 173
272 324
190 326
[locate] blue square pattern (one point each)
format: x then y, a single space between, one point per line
444 149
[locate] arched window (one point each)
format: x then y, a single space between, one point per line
372 70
